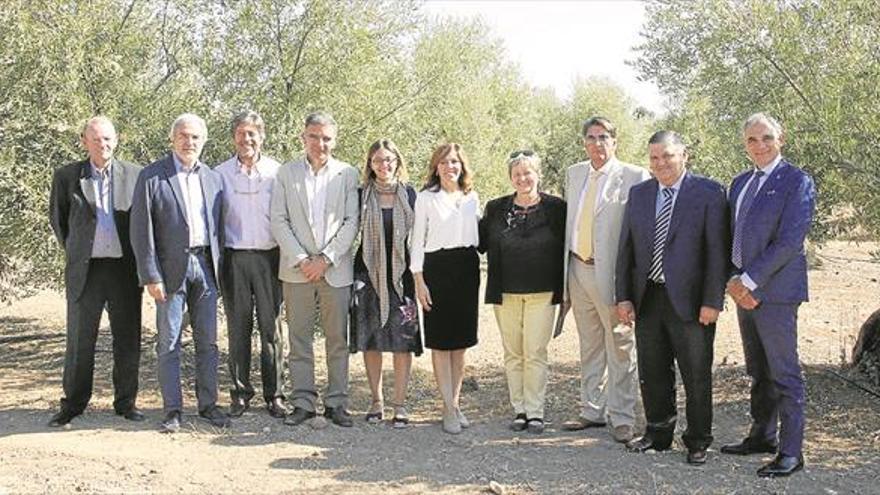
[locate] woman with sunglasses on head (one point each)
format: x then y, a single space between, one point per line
384 316
523 235
446 268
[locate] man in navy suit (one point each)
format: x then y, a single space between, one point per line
176 236
671 270
771 209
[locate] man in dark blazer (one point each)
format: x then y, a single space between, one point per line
771 210
176 235
88 209
671 271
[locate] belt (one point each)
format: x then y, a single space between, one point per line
588 261
198 250
237 250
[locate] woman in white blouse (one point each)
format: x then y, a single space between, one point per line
446 269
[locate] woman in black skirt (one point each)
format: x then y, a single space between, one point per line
446 268
384 315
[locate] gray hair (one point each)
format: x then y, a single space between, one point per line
524 157
667 138
187 118
763 118
249 117
319 118
97 119
600 121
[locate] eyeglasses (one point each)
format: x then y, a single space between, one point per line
520 153
388 160
603 138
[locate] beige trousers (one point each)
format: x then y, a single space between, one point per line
608 351
526 325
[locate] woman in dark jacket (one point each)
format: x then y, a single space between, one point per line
524 237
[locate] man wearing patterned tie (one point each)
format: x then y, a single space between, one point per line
671 270
771 210
596 191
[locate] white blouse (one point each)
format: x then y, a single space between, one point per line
443 222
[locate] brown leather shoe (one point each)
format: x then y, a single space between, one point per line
622 433
581 423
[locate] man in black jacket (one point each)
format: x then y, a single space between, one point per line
89 210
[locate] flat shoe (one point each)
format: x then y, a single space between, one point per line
581 423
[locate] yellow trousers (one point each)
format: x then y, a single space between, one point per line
526 325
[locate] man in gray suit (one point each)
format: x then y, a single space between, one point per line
315 220
597 191
89 210
176 235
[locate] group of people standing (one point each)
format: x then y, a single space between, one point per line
642 260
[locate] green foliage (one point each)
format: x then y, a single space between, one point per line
812 64
379 66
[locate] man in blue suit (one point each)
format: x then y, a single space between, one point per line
771 209
671 270
176 236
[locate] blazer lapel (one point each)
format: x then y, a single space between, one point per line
86 184
770 186
646 203
681 205
613 183
208 194
333 190
171 178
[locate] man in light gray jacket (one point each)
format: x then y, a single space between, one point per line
314 216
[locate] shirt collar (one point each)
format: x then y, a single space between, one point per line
258 166
178 165
322 171
605 167
770 167
677 186
96 173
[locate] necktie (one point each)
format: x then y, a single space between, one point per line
661 228
739 225
585 223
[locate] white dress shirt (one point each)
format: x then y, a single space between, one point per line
316 193
191 187
768 170
443 221
248 197
600 186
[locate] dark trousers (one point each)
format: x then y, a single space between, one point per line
250 281
769 336
662 338
110 283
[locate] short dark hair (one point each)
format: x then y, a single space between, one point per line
600 121
667 137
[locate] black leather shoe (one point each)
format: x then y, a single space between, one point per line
276 408
749 446
645 443
133 414
782 465
61 418
298 416
339 416
697 457
216 417
171 423
238 407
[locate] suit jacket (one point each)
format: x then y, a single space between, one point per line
697 249
610 205
292 230
776 226
73 218
160 228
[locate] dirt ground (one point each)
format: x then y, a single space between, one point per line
101 452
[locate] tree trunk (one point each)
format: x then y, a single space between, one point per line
866 353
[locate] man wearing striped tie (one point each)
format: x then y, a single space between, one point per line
671 272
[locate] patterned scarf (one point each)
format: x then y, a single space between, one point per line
373 241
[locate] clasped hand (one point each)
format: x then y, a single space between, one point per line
741 294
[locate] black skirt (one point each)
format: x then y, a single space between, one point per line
453 279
